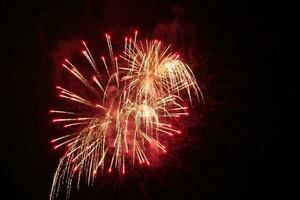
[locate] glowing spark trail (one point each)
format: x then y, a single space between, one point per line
134 109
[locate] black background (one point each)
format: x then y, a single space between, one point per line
227 151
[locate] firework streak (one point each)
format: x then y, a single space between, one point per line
146 81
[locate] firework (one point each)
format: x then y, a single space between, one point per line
134 109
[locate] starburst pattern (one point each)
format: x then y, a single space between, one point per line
134 110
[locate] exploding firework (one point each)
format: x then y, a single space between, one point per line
132 113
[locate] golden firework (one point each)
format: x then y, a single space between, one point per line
147 81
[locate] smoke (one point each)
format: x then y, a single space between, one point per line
64 49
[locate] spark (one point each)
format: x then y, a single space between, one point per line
148 82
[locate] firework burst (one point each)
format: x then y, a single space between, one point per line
134 110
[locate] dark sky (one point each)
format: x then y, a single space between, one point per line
225 153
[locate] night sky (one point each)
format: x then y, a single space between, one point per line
225 151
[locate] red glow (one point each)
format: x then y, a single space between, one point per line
170 134
103 134
107 36
99 106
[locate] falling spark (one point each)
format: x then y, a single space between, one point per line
148 80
